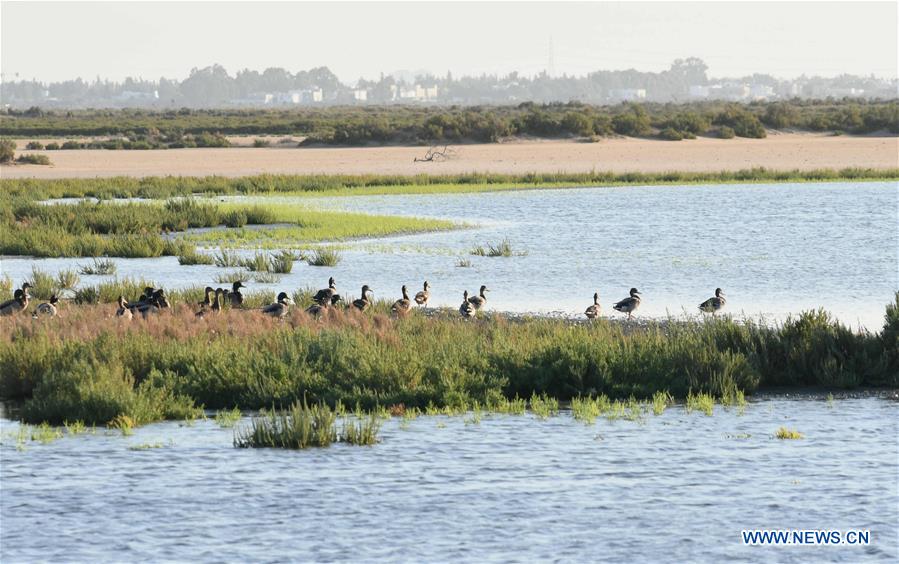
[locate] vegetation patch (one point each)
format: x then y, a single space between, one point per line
787 434
91 367
303 426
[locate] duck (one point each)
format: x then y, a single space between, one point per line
207 300
124 310
18 303
403 305
47 308
364 302
713 305
146 298
467 309
235 295
159 299
593 311
421 298
316 310
280 308
480 300
629 305
217 302
326 295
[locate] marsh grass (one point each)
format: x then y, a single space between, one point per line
502 249
282 262
463 263
660 401
45 433
267 277
231 277
193 257
829 400
226 259
585 410
145 446
259 262
787 434
67 279
361 432
324 257
43 285
303 426
700 402
89 366
123 423
98 267
513 406
5 287
227 418
543 406
75 427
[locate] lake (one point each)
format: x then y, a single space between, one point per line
775 249
679 487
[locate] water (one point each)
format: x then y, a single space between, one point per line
775 250
678 488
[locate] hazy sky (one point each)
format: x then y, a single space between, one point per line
62 40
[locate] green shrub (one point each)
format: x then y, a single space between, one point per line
71 145
34 146
52 146
725 132
671 134
7 150
34 159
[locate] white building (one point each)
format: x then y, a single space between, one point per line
628 94
360 95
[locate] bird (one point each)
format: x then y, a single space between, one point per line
124 310
467 309
316 310
279 308
159 299
217 302
326 295
17 304
713 305
403 305
364 302
480 300
145 299
593 311
47 308
629 305
235 295
421 298
207 300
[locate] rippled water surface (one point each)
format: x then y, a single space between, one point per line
679 487
775 249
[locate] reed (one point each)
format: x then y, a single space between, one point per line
501 249
788 434
98 267
192 257
543 406
300 426
463 263
660 401
226 259
585 410
324 257
230 277
227 418
700 402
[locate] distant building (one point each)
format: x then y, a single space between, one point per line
761 92
360 95
131 95
699 92
628 94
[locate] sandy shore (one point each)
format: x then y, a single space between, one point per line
778 151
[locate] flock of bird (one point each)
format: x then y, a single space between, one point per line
154 300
